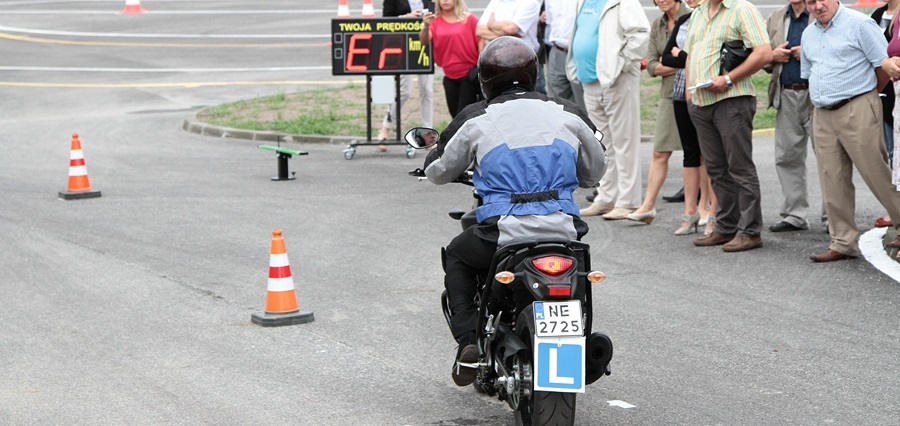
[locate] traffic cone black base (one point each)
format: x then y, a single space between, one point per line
66 195
266 319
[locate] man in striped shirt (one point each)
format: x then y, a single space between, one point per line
722 112
842 56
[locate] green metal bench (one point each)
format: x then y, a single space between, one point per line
283 155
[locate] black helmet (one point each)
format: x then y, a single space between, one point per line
506 62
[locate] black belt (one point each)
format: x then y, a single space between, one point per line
798 86
534 197
839 104
564 49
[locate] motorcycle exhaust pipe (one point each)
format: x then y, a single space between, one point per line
599 353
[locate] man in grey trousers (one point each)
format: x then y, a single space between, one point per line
789 95
560 16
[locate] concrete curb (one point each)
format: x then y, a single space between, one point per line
764 133
191 125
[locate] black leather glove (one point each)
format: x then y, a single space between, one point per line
431 157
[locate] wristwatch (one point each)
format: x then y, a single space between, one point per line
728 82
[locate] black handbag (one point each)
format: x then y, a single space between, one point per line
734 53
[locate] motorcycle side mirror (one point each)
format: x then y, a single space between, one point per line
421 137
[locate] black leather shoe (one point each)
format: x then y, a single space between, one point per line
785 226
463 371
677 198
593 195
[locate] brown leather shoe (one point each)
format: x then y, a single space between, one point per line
714 239
742 243
830 256
894 244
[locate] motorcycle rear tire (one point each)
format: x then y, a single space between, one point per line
549 409
543 408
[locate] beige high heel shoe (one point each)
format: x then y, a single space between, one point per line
710 225
704 217
645 217
689 224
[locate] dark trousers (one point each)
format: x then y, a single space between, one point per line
460 93
468 254
725 130
688 134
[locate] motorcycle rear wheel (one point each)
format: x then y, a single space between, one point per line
541 408
548 409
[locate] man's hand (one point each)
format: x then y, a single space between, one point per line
781 54
719 85
675 51
413 14
484 31
891 66
795 52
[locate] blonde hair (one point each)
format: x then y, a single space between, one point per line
890 27
459 9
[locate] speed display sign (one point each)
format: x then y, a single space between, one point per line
378 46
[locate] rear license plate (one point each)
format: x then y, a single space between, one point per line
558 319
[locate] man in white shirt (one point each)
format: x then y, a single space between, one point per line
560 15
517 18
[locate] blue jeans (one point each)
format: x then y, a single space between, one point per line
889 142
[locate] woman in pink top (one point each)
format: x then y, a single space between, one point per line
893 52
455 47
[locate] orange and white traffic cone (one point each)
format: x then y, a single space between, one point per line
343 9
132 7
79 184
281 300
368 11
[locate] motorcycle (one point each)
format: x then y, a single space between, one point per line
536 346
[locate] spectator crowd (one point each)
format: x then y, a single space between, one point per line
834 77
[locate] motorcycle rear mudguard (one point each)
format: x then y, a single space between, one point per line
507 344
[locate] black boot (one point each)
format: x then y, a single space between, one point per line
467 354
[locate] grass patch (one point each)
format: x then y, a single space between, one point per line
650 96
341 111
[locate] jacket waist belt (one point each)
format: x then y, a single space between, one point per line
534 197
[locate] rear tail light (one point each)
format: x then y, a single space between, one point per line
559 291
552 265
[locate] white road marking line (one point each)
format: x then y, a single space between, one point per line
870 245
620 404
163 70
173 12
134 35
188 85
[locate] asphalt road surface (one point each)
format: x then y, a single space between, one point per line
134 308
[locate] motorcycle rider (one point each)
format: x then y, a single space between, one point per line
529 153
